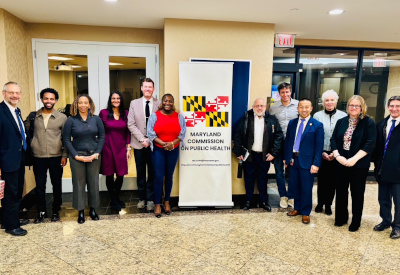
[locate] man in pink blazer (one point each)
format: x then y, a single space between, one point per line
139 112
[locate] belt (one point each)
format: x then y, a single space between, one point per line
296 154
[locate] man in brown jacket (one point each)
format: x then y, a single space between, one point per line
48 152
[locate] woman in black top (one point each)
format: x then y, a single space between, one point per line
84 137
352 142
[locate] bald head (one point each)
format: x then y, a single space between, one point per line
259 107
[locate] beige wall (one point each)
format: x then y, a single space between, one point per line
184 39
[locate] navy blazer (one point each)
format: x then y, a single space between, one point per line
10 141
311 143
387 168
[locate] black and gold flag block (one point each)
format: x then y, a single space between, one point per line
217 119
194 103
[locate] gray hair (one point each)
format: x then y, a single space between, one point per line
9 83
330 93
254 102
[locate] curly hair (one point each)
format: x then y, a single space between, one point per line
173 106
74 107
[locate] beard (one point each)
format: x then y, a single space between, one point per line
262 113
48 109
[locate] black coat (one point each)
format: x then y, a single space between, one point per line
274 130
10 141
364 138
387 168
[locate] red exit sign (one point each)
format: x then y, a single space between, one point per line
379 63
284 40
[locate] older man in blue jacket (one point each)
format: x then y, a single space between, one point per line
304 144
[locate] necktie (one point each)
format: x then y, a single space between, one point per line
298 137
21 128
388 137
147 110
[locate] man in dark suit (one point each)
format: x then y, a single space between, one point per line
139 112
387 168
304 144
12 157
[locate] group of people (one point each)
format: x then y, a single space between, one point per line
335 145
93 144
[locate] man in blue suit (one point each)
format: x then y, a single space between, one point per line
13 144
304 144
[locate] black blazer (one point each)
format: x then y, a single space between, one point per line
364 138
10 141
387 169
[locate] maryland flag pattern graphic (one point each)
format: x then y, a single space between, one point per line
211 113
194 103
217 119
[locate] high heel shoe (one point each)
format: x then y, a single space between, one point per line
81 216
167 208
93 214
157 213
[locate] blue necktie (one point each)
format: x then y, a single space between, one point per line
21 128
298 137
388 137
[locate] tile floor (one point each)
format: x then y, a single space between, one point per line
203 242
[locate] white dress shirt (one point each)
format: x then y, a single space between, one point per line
258 133
14 114
150 106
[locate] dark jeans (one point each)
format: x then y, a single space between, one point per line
143 161
386 193
280 175
326 182
256 169
356 179
40 167
164 166
14 186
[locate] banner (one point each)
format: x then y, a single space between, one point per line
205 173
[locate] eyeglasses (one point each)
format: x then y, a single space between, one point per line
354 106
258 106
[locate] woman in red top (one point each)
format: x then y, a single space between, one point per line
165 129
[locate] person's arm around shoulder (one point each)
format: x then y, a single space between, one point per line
278 139
151 134
237 139
319 147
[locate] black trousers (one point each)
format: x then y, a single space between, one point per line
40 167
356 179
14 186
256 169
326 182
386 193
143 161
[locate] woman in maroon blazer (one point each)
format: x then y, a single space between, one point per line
117 148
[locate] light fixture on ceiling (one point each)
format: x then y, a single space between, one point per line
63 67
75 66
115 64
60 58
336 12
111 0
342 53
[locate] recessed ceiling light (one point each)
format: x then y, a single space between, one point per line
60 58
335 12
115 64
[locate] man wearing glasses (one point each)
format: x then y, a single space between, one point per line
13 144
387 171
257 141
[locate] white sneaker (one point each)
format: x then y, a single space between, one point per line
284 202
141 204
150 206
291 202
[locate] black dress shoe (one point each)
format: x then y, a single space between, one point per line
17 232
318 208
395 234
247 206
93 214
328 210
338 223
354 227
81 216
381 227
55 217
40 217
23 222
266 206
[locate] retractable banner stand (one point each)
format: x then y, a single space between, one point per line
205 174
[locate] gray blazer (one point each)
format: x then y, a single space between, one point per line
137 121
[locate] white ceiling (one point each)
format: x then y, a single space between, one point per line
363 20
